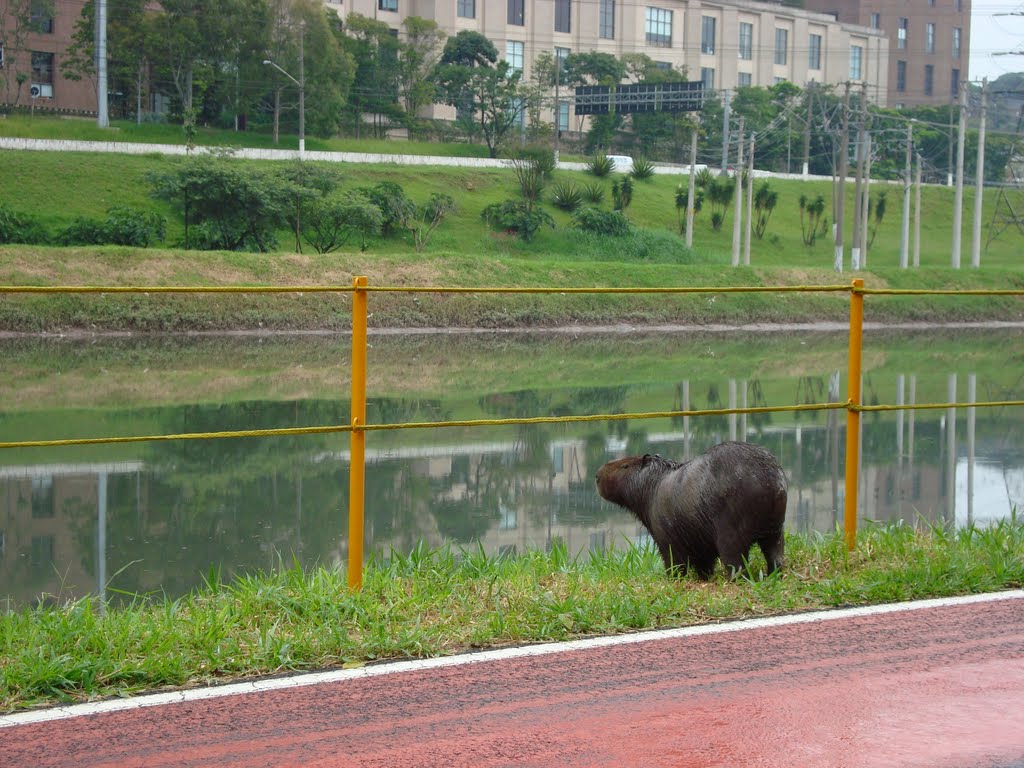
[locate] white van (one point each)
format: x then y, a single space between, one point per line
621 163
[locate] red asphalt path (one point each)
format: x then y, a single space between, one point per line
939 685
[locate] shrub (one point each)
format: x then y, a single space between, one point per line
429 217
541 158
593 193
598 222
622 193
567 196
532 178
600 166
516 217
765 200
123 226
20 228
331 222
395 206
643 169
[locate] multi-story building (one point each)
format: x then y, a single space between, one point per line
928 44
725 44
31 51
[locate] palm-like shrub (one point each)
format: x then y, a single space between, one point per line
600 166
643 169
567 196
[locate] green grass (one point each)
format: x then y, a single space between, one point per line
431 603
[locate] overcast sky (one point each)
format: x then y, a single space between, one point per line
993 34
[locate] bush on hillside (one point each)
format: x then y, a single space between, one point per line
598 222
516 217
566 196
395 206
22 228
122 226
643 169
600 166
594 193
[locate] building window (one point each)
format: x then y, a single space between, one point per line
607 20
958 5
856 56
516 12
901 34
42 75
563 15
519 121
387 5
901 76
664 66
707 34
745 79
561 54
954 84
746 41
659 27
563 116
707 76
929 79
781 45
814 52
40 19
957 38
876 21
1 55
777 80
929 38
467 9
514 55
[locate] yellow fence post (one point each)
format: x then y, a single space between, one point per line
357 438
852 414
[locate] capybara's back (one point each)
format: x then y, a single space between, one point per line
717 505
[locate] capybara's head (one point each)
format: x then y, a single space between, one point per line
615 478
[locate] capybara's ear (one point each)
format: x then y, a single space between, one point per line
645 460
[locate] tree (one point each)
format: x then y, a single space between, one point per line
765 200
429 217
333 221
376 91
305 186
187 36
813 226
21 18
233 206
417 57
488 97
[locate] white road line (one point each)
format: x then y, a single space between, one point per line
340 675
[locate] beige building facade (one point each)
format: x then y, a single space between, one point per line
725 44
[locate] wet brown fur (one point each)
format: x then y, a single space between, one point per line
718 505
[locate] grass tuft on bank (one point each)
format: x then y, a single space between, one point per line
437 602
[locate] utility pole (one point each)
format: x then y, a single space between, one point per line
750 200
102 115
302 91
807 130
979 185
905 228
840 199
558 106
738 198
725 133
690 192
917 213
858 203
958 192
865 206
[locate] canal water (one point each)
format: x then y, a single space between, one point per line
158 517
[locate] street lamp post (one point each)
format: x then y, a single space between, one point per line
301 82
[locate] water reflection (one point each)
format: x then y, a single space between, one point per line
156 517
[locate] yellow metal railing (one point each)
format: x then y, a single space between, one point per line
357 427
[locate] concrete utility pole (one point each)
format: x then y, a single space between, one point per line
917 213
840 198
738 197
725 132
865 206
958 192
905 228
750 200
807 131
690 192
858 198
102 115
979 185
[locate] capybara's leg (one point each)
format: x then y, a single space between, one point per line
773 547
735 562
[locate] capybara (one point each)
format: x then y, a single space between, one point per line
716 505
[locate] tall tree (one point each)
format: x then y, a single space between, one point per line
487 95
375 50
417 57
